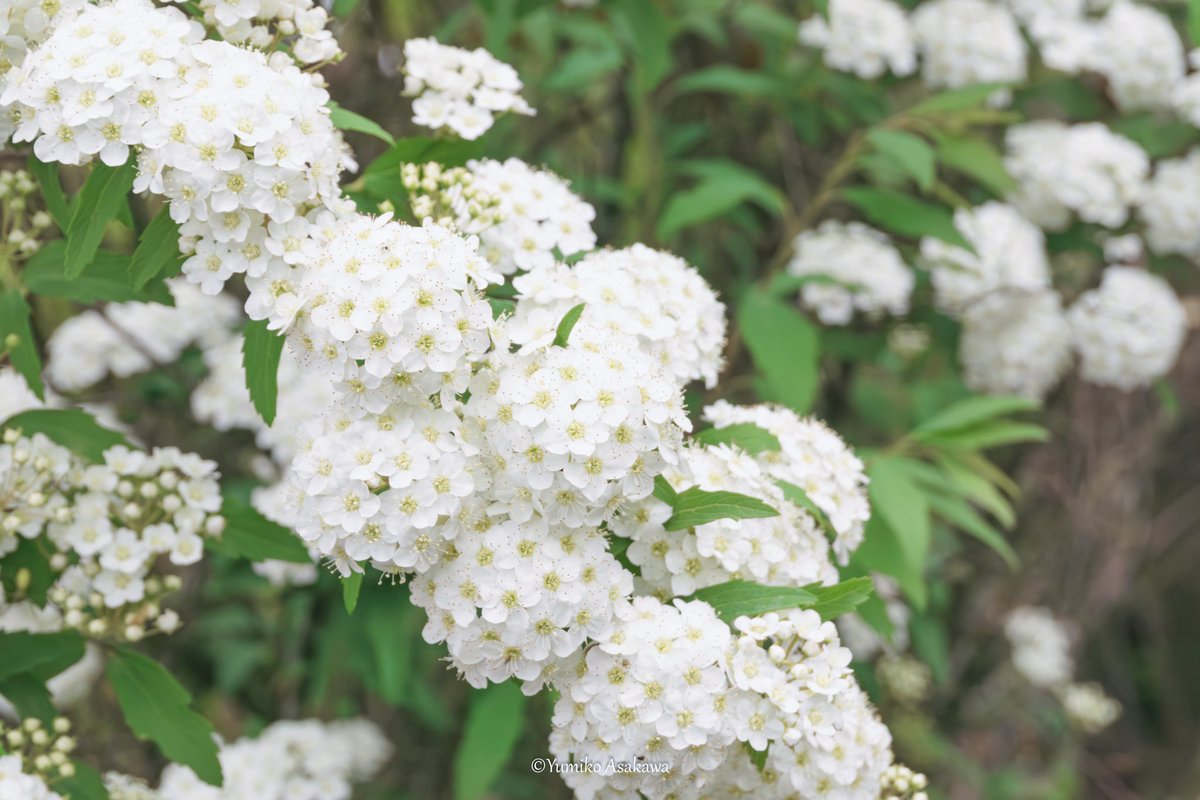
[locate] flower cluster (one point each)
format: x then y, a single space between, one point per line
264 24
866 37
1015 343
850 267
648 293
459 90
36 756
123 339
964 42
1170 206
74 684
22 226
288 761
525 217
24 24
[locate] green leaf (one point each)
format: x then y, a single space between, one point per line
745 435
900 501
106 278
16 339
650 40
39 655
495 718
800 497
74 429
563 334
991 434
734 599
28 556
695 506
157 250
85 784
976 158
99 202
664 491
723 186
583 66
52 191
346 120
732 80
250 535
1193 22
343 8
784 347
261 349
972 411
833 601
909 152
29 695
968 97
351 589
157 708
882 552
905 216
959 513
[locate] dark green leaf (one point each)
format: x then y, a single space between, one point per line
563 334
784 347
976 158
85 784
345 120
694 506
583 66
343 8
74 429
107 278
968 97
351 589
745 435
906 216
98 203
157 250
261 349
27 556
882 552
841 598
52 191
1193 22
909 152
494 721
29 695
735 599
732 80
959 513
250 535
16 339
800 497
972 411
157 708
40 655
723 187
649 38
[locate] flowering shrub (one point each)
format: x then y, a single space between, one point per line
517 430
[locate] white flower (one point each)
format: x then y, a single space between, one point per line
19 785
853 268
1041 646
1015 342
1170 206
964 42
866 37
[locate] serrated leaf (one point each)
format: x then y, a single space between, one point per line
261 350
905 216
495 718
972 411
745 435
85 784
107 278
99 202
833 601
250 535
784 346
158 709
734 599
800 497
346 120
40 655
75 430
52 191
351 589
909 152
157 250
563 333
695 506
16 339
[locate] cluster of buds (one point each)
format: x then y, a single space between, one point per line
22 226
906 679
901 783
91 617
44 750
449 196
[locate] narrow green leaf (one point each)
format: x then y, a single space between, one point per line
261 349
963 99
734 599
833 601
351 589
583 66
664 491
905 216
976 158
800 497
784 347
106 278
649 37
40 655
346 120
695 506
972 411
29 695
495 718
732 80
85 784
909 152
157 250
723 187
563 334
52 191
16 339
882 552
1193 22
959 513
745 435
898 499
157 708
991 434
250 535
99 202
74 429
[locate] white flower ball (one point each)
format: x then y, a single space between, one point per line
1015 342
866 37
853 268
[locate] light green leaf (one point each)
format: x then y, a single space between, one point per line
74 429
649 38
157 708
106 278
723 186
664 491
784 347
351 589
1193 22
959 513
900 501
734 599
695 506
968 97
909 152
976 158
990 434
251 536
495 718
562 334
157 250
882 552
800 497
52 191
972 411
906 216
346 120
584 66
833 601
261 350
16 339
39 655
99 202
745 435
